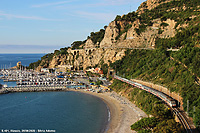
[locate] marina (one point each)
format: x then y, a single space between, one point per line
32 81
33 78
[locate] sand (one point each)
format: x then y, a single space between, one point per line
123 113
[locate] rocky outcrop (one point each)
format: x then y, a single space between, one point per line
131 39
88 57
89 44
110 34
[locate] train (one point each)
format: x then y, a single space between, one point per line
170 101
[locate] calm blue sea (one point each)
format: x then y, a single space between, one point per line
10 60
62 112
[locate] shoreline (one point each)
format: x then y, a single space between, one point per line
123 113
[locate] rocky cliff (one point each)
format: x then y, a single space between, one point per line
83 58
131 39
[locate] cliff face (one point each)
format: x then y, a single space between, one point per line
131 39
87 57
110 34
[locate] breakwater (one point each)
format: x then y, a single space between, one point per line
6 90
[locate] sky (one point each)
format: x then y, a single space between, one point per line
42 26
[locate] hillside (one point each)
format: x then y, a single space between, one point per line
156 23
138 45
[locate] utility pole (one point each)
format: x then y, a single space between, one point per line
178 100
194 111
188 107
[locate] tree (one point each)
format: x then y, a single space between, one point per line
168 126
144 123
160 112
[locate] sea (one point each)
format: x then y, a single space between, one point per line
60 112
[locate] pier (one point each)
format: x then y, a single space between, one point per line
5 90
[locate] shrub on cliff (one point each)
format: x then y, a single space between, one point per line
97 36
77 44
145 123
168 126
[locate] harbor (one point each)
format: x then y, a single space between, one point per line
32 81
33 78
48 79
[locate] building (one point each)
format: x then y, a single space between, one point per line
46 70
96 70
19 64
64 68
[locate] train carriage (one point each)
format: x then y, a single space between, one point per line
171 102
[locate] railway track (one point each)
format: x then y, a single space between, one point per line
180 116
182 119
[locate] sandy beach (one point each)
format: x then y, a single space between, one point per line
123 113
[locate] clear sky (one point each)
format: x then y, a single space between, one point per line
41 26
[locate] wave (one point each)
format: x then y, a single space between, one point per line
109 117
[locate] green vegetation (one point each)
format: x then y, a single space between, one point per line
63 51
90 74
127 27
152 106
129 17
141 29
104 67
45 60
145 123
97 36
99 82
172 10
164 24
157 66
77 44
189 36
179 74
190 56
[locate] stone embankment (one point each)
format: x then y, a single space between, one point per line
36 89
